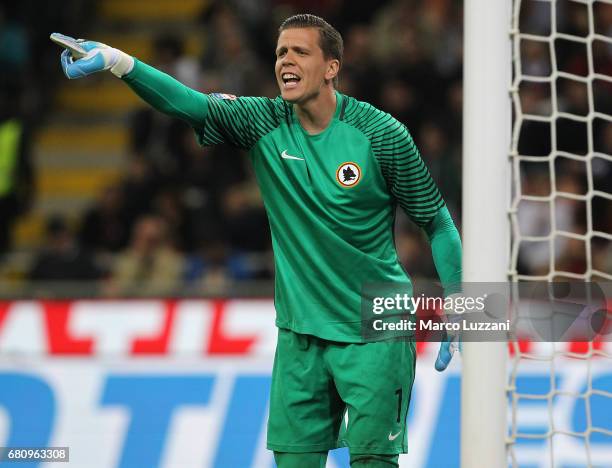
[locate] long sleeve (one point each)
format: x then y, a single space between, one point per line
446 250
167 94
412 187
216 118
405 173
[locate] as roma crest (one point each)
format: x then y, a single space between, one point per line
348 174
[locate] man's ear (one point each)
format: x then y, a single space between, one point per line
333 67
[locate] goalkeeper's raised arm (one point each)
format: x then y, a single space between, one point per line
216 118
158 89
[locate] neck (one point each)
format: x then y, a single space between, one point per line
316 113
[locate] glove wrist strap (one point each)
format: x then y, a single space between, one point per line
124 64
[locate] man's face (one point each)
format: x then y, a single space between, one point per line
301 68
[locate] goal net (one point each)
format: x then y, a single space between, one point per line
560 393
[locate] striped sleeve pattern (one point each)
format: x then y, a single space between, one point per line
407 177
240 122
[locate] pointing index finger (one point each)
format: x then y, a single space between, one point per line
69 43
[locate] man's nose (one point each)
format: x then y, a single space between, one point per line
288 59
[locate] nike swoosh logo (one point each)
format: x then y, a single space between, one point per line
284 155
394 436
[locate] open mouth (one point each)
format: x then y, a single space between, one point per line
290 80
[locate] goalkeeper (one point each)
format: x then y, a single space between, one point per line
331 170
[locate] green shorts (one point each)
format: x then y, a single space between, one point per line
316 382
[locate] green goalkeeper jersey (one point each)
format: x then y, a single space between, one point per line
330 197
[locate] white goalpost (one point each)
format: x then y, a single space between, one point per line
526 217
486 237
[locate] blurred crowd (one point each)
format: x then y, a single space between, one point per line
183 216
26 55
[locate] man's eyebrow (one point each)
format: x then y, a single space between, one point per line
297 48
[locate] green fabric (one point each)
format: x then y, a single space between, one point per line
330 197
315 381
446 250
405 174
167 94
374 461
329 239
10 134
300 460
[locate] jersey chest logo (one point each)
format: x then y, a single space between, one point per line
348 174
